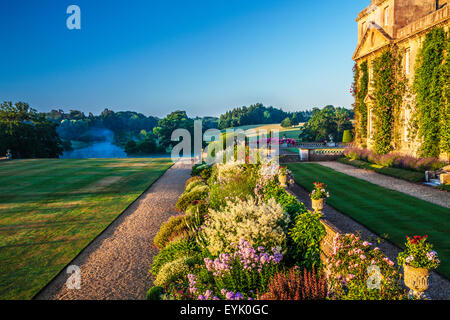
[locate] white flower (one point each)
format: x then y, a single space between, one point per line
409 259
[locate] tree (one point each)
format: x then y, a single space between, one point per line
258 114
27 133
286 123
166 126
329 121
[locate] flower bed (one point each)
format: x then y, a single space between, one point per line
394 160
247 238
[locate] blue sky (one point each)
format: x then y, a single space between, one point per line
156 56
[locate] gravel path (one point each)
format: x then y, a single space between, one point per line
426 193
116 265
440 286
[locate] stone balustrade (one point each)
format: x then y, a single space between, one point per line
422 24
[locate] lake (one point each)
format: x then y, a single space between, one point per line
104 150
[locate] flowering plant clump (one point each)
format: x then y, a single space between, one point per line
359 272
262 224
245 270
419 254
296 285
319 191
285 171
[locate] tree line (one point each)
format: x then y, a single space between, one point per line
30 134
259 114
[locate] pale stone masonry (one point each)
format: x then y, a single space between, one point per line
405 23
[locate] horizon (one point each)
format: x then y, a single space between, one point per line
154 58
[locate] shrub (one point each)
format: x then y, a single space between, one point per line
175 227
307 234
419 254
198 193
155 293
232 183
358 272
172 252
193 179
260 224
202 170
194 184
245 270
174 270
348 137
289 203
393 159
297 286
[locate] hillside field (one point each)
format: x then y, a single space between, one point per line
51 209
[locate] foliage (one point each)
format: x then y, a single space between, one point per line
261 224
395 160
232 182
360 92
389 88
173 251
328 121
124 126
194 184
246 270
198 193
286 123
191 180
445 104
155 293
174 228
419 254
358 272
319 191
307 233
289 203
348 137
202 170
430 85
174 270
175 120
148 145
258 114
27 133
296 285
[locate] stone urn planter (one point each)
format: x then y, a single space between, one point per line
417 280
283 180
318 204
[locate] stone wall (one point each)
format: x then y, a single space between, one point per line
325 154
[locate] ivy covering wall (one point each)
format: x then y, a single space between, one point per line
445 121
363 88
431 89
389 86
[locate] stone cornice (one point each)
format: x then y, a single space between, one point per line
374 4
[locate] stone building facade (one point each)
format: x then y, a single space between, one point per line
404 23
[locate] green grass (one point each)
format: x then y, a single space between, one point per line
390 214
409 175
51 209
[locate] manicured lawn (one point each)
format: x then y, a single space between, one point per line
390 214
51 209
409 175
